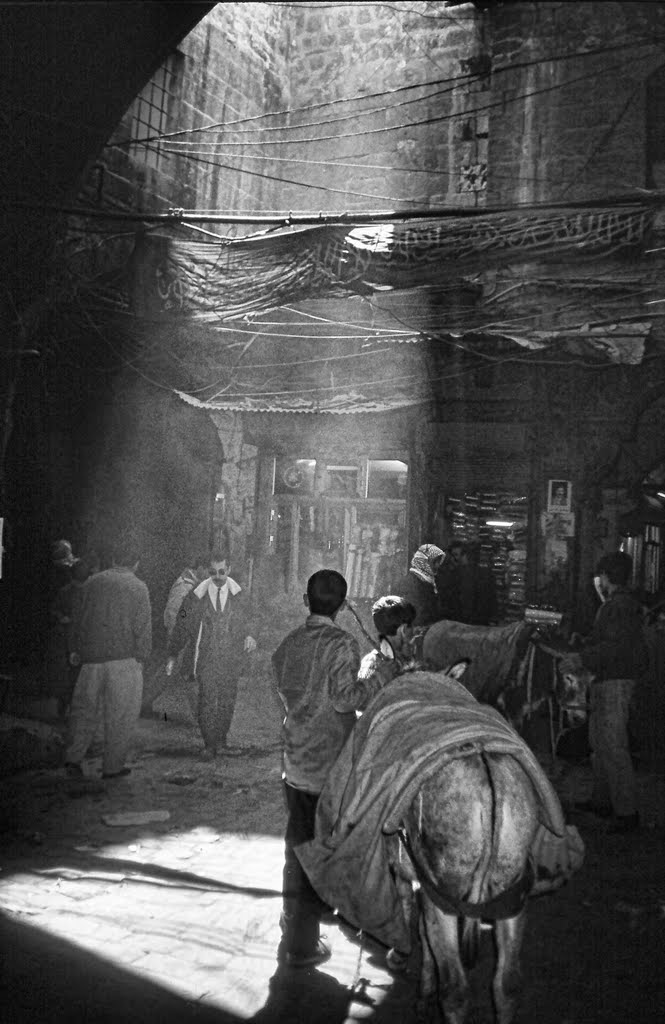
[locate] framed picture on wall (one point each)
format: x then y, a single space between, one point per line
559 496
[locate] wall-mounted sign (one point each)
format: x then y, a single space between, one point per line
559 496
293 476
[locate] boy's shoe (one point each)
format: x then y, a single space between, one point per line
319 955
624 823
117 775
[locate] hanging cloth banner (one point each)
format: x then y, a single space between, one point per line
226 280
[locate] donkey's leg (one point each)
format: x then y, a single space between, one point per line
397 960
441 960
507 984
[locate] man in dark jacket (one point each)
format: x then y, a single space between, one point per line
111 635
616 654
447 579
211 628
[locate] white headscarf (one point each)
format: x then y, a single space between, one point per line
421 563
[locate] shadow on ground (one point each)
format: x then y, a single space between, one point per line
47 979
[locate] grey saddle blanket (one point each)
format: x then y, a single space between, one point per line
419 722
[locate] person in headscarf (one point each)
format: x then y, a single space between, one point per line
418 586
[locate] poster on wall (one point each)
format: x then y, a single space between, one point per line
556 528
559 496
557 525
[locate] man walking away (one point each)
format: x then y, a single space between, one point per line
111 638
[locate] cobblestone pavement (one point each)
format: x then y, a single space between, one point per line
177 919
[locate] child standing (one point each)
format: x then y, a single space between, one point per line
316 675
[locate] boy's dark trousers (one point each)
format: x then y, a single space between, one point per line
303 908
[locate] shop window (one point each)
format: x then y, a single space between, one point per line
386 479
642 529
150 114
342 481
645 551
339 516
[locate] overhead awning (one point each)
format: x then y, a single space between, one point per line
219 281
572 282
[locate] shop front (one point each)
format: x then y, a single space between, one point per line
350 517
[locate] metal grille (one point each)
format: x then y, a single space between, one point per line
150 115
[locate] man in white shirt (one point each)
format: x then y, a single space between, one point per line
211 628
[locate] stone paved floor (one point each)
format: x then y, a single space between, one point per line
169 920
177 920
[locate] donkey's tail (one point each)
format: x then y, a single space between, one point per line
469 928
469 941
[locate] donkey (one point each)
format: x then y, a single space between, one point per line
433 792
437 791
464 844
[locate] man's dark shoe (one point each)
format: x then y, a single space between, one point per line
318 955
589 807
73 770
116 775
624 823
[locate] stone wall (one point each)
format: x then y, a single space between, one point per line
399 143
569 128
231 66
153 468
125 449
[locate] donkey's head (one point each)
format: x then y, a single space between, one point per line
572 688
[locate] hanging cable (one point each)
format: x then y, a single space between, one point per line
356 217
453 80
440 118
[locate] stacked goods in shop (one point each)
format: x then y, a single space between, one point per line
498 520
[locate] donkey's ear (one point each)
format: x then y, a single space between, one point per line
458 669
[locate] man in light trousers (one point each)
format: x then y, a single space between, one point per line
111 637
